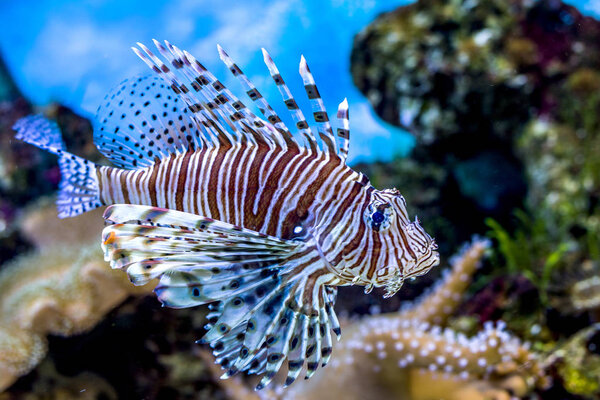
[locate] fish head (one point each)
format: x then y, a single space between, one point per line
392 247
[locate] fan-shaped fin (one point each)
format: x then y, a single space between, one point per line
264 314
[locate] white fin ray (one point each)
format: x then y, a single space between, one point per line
283 132
319 112
290 102
343 132
199 260
237 110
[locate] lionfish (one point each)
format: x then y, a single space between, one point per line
224 207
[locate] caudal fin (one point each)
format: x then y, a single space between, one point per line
79 190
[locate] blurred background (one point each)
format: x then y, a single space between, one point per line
485 114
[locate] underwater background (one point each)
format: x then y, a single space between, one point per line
485 114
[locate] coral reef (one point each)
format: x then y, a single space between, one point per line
381 349
470 71
61 289
434 68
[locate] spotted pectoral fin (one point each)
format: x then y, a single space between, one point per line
150 242
282 325
273 302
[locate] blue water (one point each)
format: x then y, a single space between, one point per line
74 51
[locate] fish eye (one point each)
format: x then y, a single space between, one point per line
379 215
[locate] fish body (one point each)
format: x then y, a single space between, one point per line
224 207
267 190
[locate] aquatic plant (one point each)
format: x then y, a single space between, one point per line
528 250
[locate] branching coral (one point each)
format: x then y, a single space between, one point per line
401 355
381 349
58 290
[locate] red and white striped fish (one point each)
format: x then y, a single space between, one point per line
223 206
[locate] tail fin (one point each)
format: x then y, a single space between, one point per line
79 189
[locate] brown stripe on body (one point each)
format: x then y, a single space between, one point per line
306 199
138 186
227 195
111 189
405 244
168 177
181 182
123 177
152 183
195 193
272 185
343 206
276 208
244 169
251 221
353 243
100 172
232 190
374 254
213 181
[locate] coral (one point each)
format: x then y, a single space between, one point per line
434 68
40 226
60 289
381 349
401 355
474 69
584 293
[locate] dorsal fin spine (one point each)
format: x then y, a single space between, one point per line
282 132
200 86
319 112
344 131
225 120
206 83
290 102
251 118
175 60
